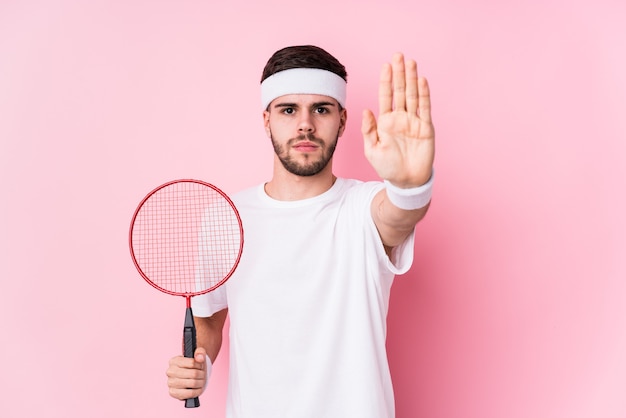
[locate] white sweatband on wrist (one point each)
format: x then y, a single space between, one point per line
303 81
209 369
413 198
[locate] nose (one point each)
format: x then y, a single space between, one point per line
305 124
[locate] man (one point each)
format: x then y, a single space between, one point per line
308 301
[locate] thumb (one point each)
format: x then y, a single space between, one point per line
200 355
368 128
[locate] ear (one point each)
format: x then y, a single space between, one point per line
266 123
342 122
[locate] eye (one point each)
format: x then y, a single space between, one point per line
321 110
288 111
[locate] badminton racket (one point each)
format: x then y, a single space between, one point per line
186 239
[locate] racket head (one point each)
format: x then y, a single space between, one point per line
186 237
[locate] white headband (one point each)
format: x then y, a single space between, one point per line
303 81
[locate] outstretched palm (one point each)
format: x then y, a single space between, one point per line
401 144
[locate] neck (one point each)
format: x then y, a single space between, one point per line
287 186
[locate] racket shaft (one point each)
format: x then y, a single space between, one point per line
189 348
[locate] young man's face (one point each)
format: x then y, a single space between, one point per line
304 129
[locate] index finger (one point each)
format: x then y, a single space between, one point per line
185 363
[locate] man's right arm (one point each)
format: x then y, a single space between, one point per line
209 332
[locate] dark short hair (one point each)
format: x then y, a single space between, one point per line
303 56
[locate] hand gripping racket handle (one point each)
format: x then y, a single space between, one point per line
189 348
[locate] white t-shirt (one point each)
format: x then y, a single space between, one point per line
308 306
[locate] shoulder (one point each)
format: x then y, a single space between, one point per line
359 189
246 195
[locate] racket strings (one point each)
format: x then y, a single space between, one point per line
186 238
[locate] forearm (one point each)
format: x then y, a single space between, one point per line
394 224
209 332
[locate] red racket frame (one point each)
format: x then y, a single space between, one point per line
187 295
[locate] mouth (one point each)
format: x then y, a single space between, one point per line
305 146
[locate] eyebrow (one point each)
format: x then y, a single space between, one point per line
314 105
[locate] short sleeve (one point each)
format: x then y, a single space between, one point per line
207 304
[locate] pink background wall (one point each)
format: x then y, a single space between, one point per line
516 306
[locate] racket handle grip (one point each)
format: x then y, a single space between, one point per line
192 403
189 348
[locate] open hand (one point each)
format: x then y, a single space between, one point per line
400 146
